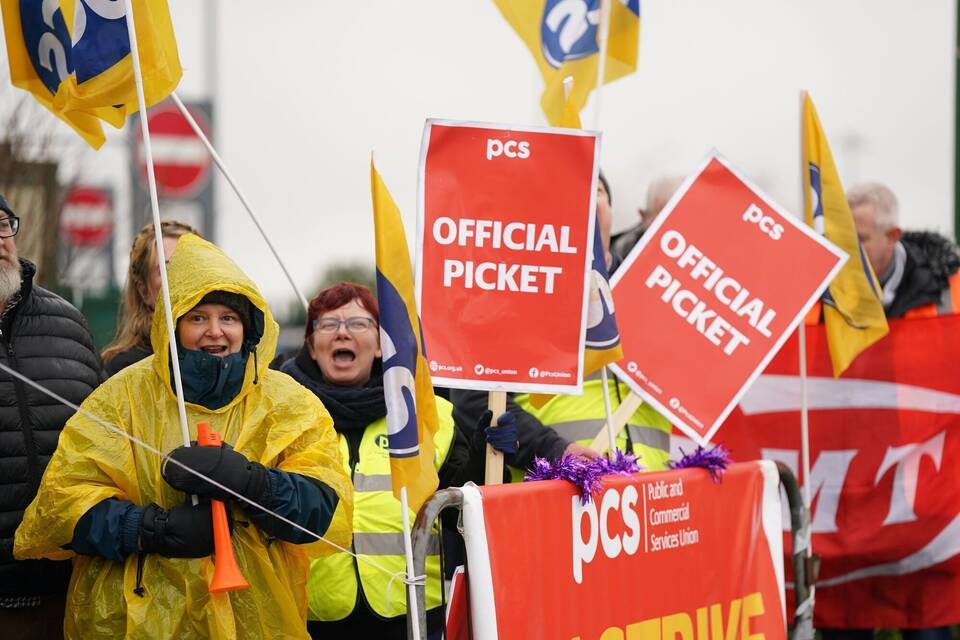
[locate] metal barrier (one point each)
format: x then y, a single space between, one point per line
804 566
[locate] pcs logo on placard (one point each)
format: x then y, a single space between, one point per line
510 148
568 30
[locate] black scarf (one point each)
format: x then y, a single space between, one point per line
352 408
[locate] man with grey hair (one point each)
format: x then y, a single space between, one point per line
47 340
658 194
918 273
917 270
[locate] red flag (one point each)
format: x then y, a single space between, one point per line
885 472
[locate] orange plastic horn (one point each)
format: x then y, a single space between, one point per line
226 573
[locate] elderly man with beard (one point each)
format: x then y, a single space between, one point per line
46 339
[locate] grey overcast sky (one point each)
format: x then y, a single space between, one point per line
305 90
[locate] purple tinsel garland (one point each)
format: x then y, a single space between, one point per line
583 472
715 460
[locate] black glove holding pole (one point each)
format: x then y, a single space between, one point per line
503 437
221 464
185 531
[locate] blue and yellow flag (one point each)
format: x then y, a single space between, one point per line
852 304
562 36
411 409
74 57
602 343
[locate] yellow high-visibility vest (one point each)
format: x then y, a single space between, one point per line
377 534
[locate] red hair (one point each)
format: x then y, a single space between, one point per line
335 296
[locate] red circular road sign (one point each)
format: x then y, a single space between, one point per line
181 162
87 217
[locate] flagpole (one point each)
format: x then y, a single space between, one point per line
157 231
604 381
804 417
804 413
413 613
217 160
804 410
604 33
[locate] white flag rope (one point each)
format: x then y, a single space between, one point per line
397 575
217 160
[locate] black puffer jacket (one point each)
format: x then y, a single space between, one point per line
931 260
47 340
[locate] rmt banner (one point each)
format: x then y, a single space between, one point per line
884 470
653 555
710 293
506 223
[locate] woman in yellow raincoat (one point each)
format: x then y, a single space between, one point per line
142 565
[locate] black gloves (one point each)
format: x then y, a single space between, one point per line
185 531
503 438
221 464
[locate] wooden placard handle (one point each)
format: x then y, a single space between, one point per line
620 417
493 474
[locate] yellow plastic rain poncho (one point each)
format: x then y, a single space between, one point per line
275 422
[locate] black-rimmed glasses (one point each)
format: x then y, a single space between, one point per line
9 226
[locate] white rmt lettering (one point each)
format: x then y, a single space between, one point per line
826 481
906 460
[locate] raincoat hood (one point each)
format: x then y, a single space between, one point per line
272 420
196 269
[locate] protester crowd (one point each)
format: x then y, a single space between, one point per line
108 536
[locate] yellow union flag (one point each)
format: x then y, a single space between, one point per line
74 57
852 308
562 36
411 408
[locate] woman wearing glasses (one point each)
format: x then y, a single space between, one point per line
340 362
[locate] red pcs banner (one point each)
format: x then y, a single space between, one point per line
712 290
506 219
885 470
653 555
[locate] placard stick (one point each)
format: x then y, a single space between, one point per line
497 403
611 434
604 33
630 404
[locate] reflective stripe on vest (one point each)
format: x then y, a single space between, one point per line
388 544
650 436
377 534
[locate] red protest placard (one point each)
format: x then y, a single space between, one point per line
711 292
652 555
506 220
